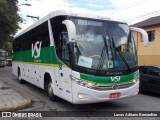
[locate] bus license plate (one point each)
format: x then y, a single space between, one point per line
114 95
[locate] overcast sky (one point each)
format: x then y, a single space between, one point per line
130 11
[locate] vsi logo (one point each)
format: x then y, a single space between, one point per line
115 79
36 48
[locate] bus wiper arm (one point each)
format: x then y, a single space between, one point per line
101 61
103 55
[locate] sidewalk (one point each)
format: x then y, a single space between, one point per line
11 100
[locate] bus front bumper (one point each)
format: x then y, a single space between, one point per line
83 95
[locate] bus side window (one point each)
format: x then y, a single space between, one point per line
17 45
60 38
44 35
40 34
64 46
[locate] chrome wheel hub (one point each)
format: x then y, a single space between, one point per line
50 90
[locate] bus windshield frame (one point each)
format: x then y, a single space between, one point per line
103 47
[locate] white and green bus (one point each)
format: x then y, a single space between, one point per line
79 57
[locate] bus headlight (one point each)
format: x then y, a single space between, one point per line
136 77
135 80
82 83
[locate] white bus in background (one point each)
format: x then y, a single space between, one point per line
3 57
80 57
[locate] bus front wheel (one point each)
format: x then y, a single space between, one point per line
49 89
19 77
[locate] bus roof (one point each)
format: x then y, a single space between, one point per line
88 14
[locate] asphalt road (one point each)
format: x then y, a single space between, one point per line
141 102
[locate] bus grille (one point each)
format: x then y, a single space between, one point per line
113 86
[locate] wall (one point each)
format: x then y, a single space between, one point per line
149 55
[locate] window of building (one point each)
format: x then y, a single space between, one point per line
151 35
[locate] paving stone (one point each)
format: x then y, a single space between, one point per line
9 97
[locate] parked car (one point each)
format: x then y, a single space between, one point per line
9 62
2 64
150 79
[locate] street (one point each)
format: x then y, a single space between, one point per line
141 102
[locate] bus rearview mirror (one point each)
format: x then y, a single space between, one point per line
71 30
143 33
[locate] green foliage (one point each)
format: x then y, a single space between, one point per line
9 19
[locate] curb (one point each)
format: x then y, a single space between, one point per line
23 105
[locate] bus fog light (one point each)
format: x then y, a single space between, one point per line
80 96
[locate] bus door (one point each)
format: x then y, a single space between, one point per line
64 71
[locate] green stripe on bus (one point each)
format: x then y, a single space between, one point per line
47 56
108 79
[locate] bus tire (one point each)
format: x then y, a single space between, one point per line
49 89
19 77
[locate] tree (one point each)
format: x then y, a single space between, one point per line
9 19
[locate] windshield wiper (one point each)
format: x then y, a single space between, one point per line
101 61
120 54
103 55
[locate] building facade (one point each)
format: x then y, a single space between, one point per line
149 55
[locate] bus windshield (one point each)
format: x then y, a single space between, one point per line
104 45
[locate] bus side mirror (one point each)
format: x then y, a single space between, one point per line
71 30
143 33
